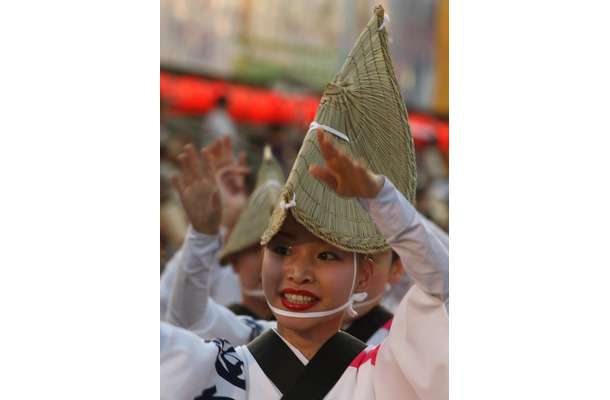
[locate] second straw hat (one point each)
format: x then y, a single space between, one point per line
363 112
255 217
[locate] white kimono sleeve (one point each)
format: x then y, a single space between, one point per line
424 256
193 368
415 356
224 288
191 287
392 298
167 279
190 306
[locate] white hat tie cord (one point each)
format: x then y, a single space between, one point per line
315 125
254 293
386 18
368 302
348 304
290 204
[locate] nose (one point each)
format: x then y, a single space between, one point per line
298 270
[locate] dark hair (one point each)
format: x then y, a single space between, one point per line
393 257
222 101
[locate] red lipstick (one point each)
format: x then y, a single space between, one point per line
290 302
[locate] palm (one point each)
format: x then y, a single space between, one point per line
230 174
344 176
198 190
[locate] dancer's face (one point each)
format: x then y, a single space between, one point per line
386 271
302 273
247 264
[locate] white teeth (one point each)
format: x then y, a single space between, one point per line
298 299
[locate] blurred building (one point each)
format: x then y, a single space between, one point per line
271 59
302 44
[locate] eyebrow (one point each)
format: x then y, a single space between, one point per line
286 235
290 236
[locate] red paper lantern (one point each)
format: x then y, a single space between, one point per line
261 106
238 102
193 95
308 108
168 84
285 110
423 129
442 138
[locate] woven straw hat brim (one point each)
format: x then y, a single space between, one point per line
255 217
364 103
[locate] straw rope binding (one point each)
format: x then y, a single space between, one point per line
363 103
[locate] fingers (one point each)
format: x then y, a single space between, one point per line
191 167
212 160
226 154
343 174
187 177
177 183
335 158
216 147
233 178
332 158
241 159
361 169
193 161
226 147
326 147
235 170
221 152
324 176
208 160
213 152
216 199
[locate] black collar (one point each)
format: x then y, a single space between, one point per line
364 327
297 381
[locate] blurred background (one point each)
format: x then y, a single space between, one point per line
255 69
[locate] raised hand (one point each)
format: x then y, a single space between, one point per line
198 190
344 176
222 153
230 175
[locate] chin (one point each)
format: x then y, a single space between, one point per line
306 324
261 300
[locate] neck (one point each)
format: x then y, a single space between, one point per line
362 311
258 305
309 341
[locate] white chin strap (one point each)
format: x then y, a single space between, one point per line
254 293
368 302
387 288
350 310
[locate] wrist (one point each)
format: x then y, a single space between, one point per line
378 181
206 230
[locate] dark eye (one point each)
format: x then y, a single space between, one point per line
281 250
328 256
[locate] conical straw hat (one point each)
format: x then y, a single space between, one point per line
253 220
364 104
